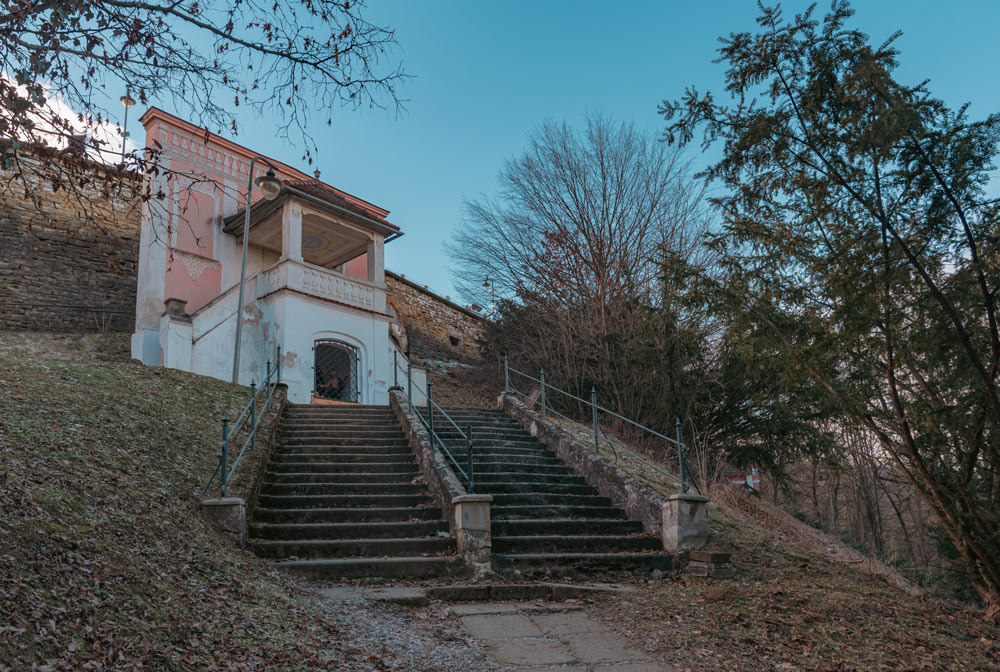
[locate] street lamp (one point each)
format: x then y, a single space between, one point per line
270 186
128 101
490 285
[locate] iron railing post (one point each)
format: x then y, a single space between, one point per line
278 380
468 436
409 382
395 368
680 456
430 414
506 374
593 405
223 458
542 379
253 413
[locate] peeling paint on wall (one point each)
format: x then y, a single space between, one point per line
252 316
288 359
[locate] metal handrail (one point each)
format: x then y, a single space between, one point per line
249 415
468 472
682 480
428 422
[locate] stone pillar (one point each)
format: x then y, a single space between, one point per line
685 522
376 270
291 231
376 260
176 336
151 272
472 531
228 515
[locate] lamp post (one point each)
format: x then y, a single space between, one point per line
270 186
490 285
128 101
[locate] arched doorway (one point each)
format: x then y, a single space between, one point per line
336 371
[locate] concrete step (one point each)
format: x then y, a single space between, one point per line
556 526
341 450
348 548
497 477
586 562
343 408
339 433
342 441
543 498
342 488
590 543
552 511
333 477
481 444
353 530
522 468
402 567
358 419
549 488
338 428
483 412
504 451
493 433
356 455
537 459
338 467
342 501
381 413
348 515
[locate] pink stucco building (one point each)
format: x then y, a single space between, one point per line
315 273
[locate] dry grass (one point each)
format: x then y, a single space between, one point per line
791 608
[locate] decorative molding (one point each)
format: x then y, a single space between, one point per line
329 286
193 264
186 147
320 283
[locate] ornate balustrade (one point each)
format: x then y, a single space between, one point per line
321 283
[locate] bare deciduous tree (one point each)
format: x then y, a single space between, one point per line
63 65
582 216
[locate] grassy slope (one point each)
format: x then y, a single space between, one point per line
104 561
793 608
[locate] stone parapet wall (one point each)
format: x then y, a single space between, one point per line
59 269
435 327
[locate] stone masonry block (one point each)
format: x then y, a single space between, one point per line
228 515
685 522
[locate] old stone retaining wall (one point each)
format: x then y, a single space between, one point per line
436 327
59 270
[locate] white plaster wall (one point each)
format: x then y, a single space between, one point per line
152 268
214 335
314 319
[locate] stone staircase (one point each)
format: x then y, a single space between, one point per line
342 499
543 517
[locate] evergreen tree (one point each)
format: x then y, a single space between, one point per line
858 235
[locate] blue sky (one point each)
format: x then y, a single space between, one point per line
485 73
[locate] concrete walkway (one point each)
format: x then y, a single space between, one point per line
542 637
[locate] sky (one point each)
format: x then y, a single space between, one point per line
484 74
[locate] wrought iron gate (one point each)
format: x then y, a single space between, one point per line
336 371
